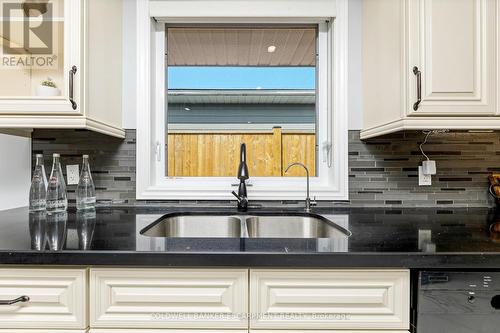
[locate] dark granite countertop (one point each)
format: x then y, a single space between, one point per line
459 238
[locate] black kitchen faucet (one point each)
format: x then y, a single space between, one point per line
242 175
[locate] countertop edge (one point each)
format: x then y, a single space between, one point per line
275 260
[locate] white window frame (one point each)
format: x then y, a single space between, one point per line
332 182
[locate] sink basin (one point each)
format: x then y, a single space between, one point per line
195 226
260 225
293 227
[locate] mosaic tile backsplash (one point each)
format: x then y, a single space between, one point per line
112 160
382 171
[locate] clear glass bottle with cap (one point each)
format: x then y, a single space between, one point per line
85 192
38 188
57 200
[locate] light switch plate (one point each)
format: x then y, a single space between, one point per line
72 174
423 179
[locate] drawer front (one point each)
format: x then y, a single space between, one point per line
330 299
57 298
168 298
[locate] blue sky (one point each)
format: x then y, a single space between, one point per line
192 77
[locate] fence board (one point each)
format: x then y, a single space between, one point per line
217 154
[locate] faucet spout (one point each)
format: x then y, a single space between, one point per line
242 175
243 168
308 198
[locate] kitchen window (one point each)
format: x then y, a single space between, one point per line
234 84
214 83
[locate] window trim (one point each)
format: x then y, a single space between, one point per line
151 182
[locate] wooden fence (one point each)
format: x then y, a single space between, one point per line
216 154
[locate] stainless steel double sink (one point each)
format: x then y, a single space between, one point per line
259 225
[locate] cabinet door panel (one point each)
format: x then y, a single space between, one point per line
57 298
39 44
168 298
329 299
453 44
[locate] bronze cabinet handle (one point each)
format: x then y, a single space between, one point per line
418 73
22 299
72 73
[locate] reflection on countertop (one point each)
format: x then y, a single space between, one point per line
49 232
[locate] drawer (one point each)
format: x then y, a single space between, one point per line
168 298
330 299
57 298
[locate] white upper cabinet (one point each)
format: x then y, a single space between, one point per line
430 64
452 48
60 68
40 45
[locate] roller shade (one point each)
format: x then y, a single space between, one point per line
167 10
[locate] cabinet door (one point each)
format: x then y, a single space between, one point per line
330 299
39 45
452 57
168 298
56 299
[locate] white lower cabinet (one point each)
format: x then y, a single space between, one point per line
53 299
169 298
330 299
135 300
262 300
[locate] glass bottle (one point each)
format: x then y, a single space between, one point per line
38 189
57 200
85 192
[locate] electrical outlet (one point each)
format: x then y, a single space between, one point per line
423 179
72 174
